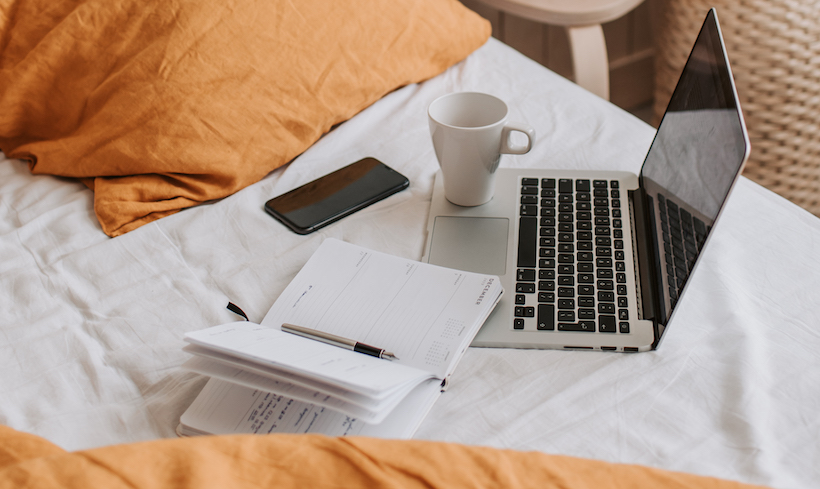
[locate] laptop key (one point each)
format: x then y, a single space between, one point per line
604 296
587 278
526 275
606 324
586 313
525 288
566 316
565 186
606 285
584 326
586 290
603 262
527 241
546 317
526 312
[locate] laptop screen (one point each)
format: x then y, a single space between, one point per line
695 158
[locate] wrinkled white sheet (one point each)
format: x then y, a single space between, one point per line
91 327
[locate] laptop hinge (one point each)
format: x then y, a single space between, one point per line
644 263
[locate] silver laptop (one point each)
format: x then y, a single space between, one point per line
598 260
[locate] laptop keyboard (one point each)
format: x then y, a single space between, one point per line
683 237
571 273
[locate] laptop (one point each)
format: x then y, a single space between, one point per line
599 260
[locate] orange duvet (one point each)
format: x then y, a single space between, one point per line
313 461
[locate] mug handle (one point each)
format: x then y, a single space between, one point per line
516 149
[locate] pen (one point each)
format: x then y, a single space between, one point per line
332 339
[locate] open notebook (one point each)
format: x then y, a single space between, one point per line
266 380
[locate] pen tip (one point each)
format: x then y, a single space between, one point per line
389 356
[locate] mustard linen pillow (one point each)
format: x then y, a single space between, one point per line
160 105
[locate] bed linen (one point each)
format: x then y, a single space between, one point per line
91 327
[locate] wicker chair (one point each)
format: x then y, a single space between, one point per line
774 50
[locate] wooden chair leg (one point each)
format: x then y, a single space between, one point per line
589 58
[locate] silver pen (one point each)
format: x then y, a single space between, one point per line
332 339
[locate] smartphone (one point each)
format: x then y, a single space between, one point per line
336 195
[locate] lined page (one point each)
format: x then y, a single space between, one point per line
226 408
426 315
368 414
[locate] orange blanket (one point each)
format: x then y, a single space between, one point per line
160 105
301 461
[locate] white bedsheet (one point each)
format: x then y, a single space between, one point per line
91 327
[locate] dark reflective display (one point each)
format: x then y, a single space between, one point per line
699 149
335 195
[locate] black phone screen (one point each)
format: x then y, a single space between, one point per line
336 195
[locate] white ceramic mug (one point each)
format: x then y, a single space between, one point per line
470 132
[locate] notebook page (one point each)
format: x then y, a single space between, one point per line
268 346
426 315
310 384
369 414
226 408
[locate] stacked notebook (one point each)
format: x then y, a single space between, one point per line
265 380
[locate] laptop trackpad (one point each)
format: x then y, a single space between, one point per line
475 244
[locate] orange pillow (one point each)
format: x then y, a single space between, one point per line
160 105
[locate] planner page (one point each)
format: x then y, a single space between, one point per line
426 315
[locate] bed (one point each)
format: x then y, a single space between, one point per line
91 326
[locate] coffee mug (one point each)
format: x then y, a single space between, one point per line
470 132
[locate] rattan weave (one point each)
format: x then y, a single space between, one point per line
774 50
